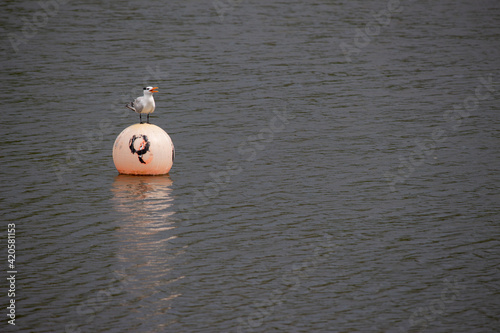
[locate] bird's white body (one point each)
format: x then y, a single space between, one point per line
143 104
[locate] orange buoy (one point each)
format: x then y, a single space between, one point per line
143 149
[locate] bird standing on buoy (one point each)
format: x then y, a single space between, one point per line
144 104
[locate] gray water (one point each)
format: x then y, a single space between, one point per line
337 166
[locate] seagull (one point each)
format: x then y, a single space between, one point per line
144 104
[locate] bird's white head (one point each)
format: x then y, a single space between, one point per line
150 90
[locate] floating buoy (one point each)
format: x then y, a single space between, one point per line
143 149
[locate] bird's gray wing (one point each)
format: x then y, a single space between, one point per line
139 104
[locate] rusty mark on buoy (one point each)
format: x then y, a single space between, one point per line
143 147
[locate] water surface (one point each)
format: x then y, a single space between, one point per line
314 189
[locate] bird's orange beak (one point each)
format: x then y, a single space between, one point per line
155 89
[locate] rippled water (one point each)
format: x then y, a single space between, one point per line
337 166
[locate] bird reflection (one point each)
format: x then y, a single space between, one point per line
144 233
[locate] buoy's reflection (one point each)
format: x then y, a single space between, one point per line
144 233
145 199
144 202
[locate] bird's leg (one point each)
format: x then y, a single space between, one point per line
140 118
148 118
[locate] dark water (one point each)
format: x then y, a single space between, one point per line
337 166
